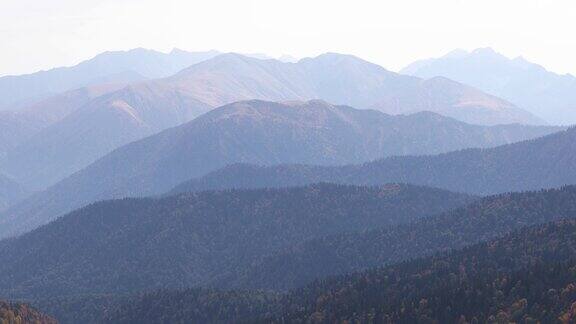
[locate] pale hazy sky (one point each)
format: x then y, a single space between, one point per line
40 34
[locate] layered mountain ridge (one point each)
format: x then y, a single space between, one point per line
545 162
261 132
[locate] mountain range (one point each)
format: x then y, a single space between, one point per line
182 187
544 162
545 94
136 64
144 108
268 133
343 79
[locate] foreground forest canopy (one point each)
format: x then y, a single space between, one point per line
18 313
528 276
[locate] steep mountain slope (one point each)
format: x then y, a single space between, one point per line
10 192
17 127
545 94
483 220
252 132
544 162
525 277
101 125
137 244
21 313
109 65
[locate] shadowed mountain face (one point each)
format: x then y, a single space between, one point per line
259 132
140 244
547 95
545 162
104 68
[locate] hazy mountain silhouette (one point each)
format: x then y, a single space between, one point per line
19 126
545 94
104 67
95 129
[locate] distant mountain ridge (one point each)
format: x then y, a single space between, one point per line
261 132
20 126
97 127
545 94
103 68
343 79
545 162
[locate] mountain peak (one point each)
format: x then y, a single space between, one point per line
457 53
337 57
485 51
544 94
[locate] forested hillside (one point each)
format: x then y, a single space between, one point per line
527 276
483 220
193 239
